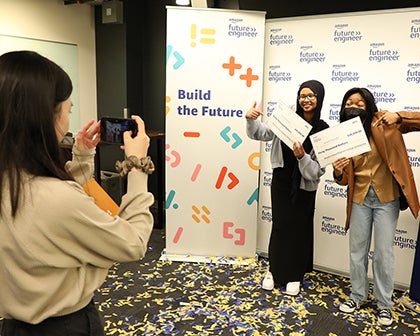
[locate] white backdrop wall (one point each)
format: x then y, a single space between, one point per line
377 50
214 73
53 23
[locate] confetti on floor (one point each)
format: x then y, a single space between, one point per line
163 297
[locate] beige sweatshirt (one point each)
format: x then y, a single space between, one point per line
58 249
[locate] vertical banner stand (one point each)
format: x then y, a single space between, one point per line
214 74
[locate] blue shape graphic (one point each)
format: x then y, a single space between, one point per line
224 132
254 197
168 52
236 137
179 59
169 200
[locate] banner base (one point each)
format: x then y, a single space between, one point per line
208 259
262 253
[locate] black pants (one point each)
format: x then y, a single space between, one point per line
84 322
290 250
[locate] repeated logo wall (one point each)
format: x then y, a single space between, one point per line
377 50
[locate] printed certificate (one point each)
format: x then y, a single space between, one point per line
287 125
346 139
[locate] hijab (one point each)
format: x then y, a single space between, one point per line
317 125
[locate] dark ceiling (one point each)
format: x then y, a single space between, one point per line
279 8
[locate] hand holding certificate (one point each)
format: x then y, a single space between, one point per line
287 125
346 139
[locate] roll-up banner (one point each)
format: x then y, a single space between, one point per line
214 73
377 50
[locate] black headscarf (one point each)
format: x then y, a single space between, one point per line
316 122
317 125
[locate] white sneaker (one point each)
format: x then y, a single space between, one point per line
349 306
268 281
293 288
385 317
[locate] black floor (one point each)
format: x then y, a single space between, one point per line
153 297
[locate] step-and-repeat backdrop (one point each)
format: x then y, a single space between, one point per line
219 62
377 50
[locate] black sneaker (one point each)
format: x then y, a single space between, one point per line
385 317
349 306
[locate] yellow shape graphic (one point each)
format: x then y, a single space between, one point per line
208 40
198 212
193 34
251 159
168 99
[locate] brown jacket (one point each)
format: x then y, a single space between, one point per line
391 147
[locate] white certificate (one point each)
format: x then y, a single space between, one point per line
346 139
287 124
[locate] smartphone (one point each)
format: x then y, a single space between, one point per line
112 129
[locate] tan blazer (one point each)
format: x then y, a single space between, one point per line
391 147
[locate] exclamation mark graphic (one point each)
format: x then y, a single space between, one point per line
193 34
168 100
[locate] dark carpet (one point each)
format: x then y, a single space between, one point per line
155 297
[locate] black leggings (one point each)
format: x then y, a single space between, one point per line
85 322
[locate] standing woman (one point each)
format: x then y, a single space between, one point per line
56 245
380 184
296 175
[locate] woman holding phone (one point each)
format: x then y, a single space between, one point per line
56 244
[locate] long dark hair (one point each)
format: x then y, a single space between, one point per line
371 107
32 89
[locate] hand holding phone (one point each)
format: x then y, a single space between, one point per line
138 145
112 129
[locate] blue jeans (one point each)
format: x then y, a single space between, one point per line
382 218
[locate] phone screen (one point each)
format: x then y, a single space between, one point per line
112 129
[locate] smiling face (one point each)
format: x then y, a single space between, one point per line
308 102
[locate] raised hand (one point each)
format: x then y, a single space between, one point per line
89 136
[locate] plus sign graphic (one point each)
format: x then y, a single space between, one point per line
249 77
233 66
